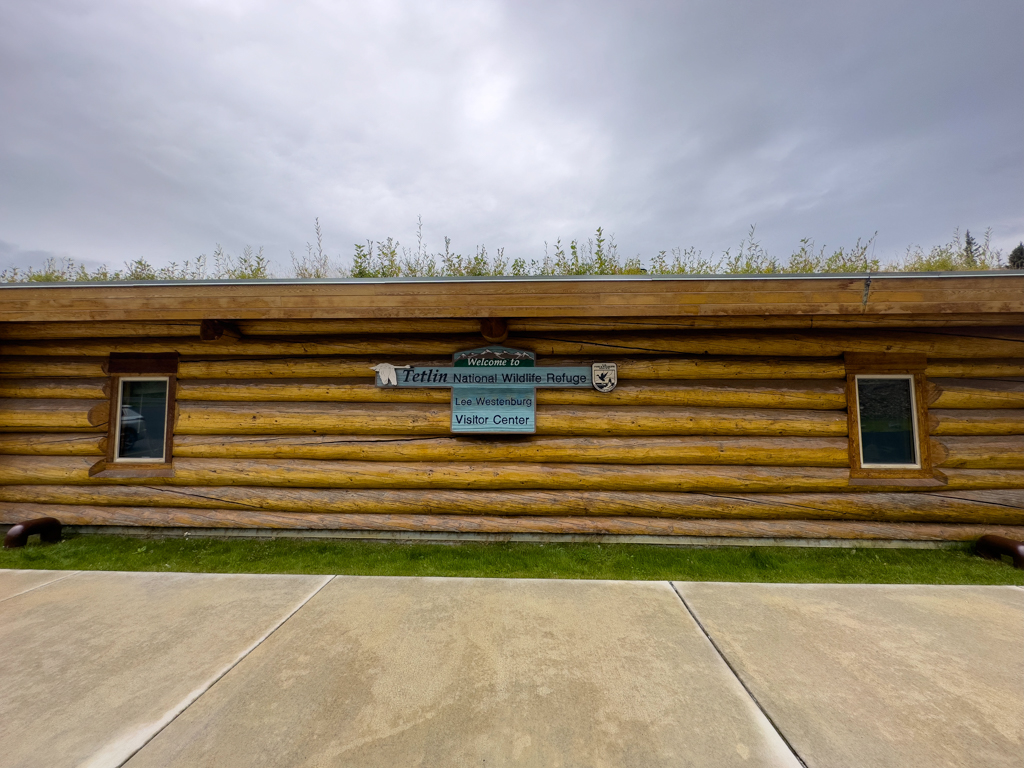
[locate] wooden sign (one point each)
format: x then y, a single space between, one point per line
494 389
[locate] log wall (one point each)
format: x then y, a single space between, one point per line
723 431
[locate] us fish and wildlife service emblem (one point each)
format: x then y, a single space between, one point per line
605 375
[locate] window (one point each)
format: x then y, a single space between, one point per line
141 430
140 440
887 407
888 422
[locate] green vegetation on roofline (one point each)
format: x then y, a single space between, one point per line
596 256
516 560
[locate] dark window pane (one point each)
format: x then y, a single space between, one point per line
143 419
886 421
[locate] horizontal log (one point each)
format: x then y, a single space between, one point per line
274 367
979 452
303 473
975 369
1005 507
962 452
525 326
976 422
725 393
767 451
315 345
708 393
993 342
216 418
635 526
975 393
190 328
771 451
357 326
94 330
529 325
210 418
339 390
21 415
50 367
629 368
53 444
59 388
749 295
736 367
701 367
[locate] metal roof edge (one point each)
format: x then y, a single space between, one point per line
999 273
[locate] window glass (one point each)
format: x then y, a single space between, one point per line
887 421
143 419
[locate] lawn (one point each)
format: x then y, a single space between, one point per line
516 560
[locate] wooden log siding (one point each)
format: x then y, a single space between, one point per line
976 422
703 367
628 526
271 367
811 394
999 507
995 342
31 366
720 433
31 415
300 473
212 418
525 326
270 418
766 451
124 329
956 452
967 393
979 452
56 388
877 295
53 444
976 369
816 395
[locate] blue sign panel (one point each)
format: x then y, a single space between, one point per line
480 409
493 391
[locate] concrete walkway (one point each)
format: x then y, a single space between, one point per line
145 670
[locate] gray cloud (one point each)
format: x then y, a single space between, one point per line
154 129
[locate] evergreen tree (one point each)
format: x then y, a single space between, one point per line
1017 257
970 248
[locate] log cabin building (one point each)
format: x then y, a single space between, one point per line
881 406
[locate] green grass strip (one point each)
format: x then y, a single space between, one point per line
517 560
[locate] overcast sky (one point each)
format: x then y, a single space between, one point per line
135 128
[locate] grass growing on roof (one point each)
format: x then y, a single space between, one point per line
516 560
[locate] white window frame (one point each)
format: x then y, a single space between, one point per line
913 415
117 431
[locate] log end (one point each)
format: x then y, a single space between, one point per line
494 329
99 414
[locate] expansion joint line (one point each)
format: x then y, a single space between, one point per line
735 674
198 693
39 586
